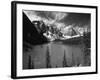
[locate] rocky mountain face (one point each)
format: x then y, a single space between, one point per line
30 33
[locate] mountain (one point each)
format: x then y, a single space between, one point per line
31 33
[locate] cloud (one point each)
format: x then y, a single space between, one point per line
49 17
59 15
78 19
60 19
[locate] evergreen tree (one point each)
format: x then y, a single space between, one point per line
30 63
64 60
73 62
32 66
48 62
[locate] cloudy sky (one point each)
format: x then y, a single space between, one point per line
59 19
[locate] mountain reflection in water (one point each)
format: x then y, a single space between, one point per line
56 54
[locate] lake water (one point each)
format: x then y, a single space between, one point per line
56 54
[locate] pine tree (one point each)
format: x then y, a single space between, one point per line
32 66
48 62
30 63
73 62
64 60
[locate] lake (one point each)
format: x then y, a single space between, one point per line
56 54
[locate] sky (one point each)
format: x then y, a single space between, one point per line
60 19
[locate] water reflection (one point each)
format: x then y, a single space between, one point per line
56 54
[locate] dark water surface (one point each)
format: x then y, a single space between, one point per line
56 54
